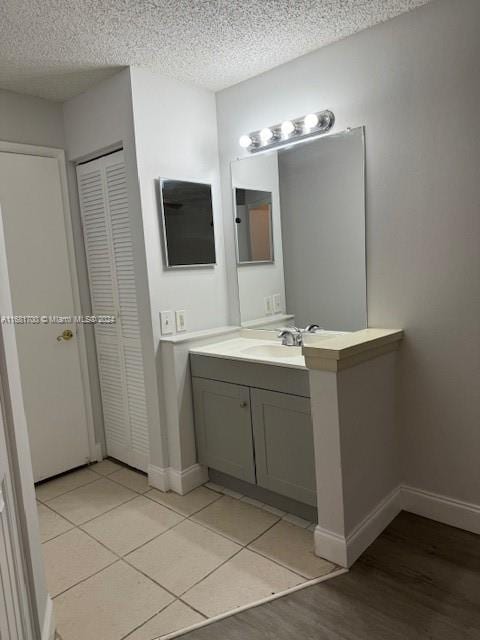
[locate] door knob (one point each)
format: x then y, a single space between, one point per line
65 335
243 403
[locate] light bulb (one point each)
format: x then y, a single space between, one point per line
266 135
245 141
287 127
310 121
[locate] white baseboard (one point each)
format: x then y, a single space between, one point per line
98 453
184 481
331 546
170 479
456 513
48 630
345 550
158 477
373 524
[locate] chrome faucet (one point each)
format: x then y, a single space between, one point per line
291 337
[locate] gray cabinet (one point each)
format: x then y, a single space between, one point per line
262 437
224 428
283 435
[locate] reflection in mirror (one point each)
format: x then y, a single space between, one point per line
317 220
253 223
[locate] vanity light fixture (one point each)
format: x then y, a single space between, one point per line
310 121
266 135
245 141
288 132
287 128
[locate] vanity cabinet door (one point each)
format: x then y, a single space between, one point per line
283 433
224 428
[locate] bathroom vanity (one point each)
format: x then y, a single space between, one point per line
303 421
252 415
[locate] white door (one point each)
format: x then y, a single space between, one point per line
41 285
102 187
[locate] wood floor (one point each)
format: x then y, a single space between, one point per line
419 580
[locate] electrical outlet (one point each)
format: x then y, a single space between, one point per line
180 320
268 302
277 303
166 322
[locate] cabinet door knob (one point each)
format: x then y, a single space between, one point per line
243 403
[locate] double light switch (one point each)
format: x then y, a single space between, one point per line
171 321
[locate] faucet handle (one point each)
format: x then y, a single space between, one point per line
287 336
291 337
311 328
285 330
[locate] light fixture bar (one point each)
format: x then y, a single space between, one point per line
312 124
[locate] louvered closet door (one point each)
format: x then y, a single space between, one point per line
104 205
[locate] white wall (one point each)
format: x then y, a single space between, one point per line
30 120
255 281
99 119
96 121
176 137
414 83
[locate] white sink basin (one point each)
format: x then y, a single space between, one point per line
272 351
261 346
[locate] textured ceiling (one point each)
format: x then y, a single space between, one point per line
58 48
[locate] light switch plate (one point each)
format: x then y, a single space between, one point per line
166 322
268 301
180 321
277 303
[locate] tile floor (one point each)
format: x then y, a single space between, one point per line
124 561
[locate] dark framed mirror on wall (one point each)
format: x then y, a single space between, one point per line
186 212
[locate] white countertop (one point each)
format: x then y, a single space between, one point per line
263 347
246 349
328 350
350 349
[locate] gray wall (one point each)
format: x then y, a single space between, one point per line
414 82
29 120
322 202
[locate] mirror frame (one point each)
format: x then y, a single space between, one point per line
166 263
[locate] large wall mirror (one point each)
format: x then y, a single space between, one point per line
311 199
